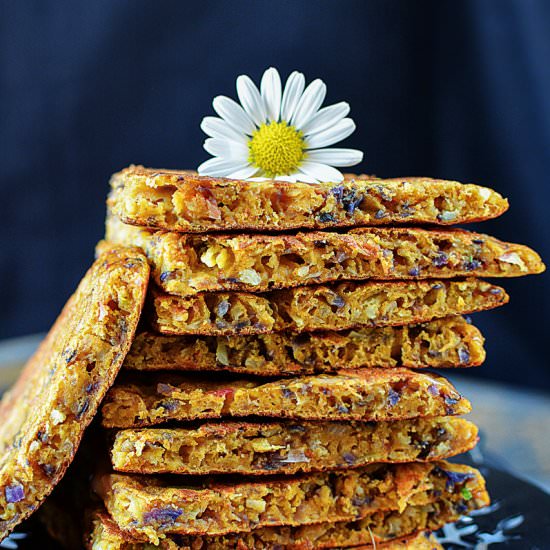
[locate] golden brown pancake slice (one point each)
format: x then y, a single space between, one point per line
43 417
187 264
287 447
323 307
153 506
386 530
365 395
449 342
183 201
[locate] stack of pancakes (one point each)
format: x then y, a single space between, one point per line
269 398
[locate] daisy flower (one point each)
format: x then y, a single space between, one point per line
277 133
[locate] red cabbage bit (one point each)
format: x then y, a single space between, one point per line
351 200
223 308
472 264
433 390
14 493
440 260
393 397
464 355
338 192
165 516
454 478
414 272
336 300
349 458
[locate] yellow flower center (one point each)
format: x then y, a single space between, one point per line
276 148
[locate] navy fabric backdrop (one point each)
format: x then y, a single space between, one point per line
455 90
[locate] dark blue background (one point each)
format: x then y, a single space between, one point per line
450 89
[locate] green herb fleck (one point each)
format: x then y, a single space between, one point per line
466 493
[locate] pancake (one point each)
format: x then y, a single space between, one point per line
324 307
183 201
188 264
387 530
365 395
153 506
287 447
43 417
449 342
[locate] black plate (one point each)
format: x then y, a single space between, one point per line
518 519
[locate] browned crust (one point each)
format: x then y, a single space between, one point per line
323 307
43 417
183 201
364 395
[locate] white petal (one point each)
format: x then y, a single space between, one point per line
291 96
233 114
270 87
218 167
291 178
335 157
338 132
326 117
309 103
226 148
250 99
300 176
321 172
217 128
244 173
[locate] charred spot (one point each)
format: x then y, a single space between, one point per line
320 244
